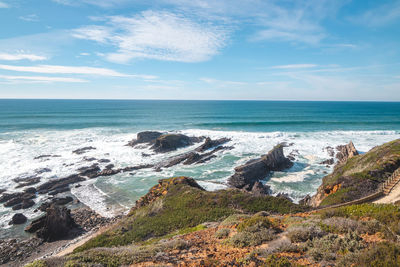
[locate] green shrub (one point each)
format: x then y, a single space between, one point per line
330 246
304 233
245 239
234 219
382 254
37 263
222 233
184 207
254 222
274 261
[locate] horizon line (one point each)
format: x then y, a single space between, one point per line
232 100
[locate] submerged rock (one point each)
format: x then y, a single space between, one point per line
330 161
257 169
83 150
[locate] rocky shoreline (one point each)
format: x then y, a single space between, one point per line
61 223
83 222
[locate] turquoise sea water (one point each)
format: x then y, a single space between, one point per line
29 128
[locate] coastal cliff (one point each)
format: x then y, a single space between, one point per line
356 176
178 223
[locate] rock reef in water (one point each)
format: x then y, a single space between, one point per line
257 169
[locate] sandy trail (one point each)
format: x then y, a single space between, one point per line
392 197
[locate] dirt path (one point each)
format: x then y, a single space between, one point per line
392 197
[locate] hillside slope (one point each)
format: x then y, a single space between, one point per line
359 176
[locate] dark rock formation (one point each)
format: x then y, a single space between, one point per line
25 204
330 161
30 190
2 190
257 169
209 143
59 183
47 156
18 200
55 225
345 152
171 142
104 161
55 201
148 137
83 150
90 171
260 189
27 182
306 201
330 150
18 218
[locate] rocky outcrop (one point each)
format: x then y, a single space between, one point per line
18 218
209 143
306 201
162 188
59 185
147 137
195 156
19 200
345 152
330 161
170 142
257 169
83 150
55 225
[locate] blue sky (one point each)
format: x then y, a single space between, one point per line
200 49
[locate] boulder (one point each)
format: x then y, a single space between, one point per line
18 218
257 169
345 152
25 204
148 137
55 225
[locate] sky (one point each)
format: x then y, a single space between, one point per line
338 50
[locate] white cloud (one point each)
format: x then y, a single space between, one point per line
4 5
30 18
295 66
42 79
157 35
54 69
222 83
21 56
100 3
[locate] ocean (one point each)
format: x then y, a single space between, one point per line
30 128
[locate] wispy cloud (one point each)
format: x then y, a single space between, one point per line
30 18
55 69
101 3
3 5
41 79
379 16
222 83
21 56
156 35
295 66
